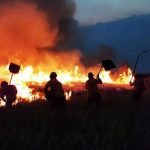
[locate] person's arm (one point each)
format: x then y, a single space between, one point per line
2 95
46 88
131 83
86 85
99 81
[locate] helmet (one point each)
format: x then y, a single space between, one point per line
90 74
53 75
4 84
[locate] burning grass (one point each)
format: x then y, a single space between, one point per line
31 80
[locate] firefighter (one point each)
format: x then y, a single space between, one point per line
139 88
54 92
3 88
8 93
91 86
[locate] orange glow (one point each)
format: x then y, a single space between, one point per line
31 80
68 95
28 42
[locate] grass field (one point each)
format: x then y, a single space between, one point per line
116 124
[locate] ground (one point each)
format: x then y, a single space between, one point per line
116 124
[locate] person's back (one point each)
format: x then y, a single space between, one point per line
11 93
8 93
139 88
55 88
54 91
139 85
91 86
3 89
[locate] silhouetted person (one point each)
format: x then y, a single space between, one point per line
3 88
8 93
139 88
91 85
54 92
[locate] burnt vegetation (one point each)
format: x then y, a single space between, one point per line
116 124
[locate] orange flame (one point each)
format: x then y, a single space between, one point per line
31 78
24 41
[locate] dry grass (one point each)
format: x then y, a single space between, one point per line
117 124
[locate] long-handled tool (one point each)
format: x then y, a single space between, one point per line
107 65
137 60
13 68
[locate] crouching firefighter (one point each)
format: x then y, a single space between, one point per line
8 93
91 86
54 92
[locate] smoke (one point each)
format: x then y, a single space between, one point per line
29 26
22 29
32 29
103 52
60 14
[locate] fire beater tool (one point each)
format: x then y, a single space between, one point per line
14 69
107 65
137 60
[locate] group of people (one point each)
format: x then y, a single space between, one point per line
55 94
54 91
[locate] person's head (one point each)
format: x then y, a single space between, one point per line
53 75
4 84
90 75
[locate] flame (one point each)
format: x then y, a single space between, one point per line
68 95
31 80
122 76
29 42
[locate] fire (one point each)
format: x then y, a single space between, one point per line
34 44
31 80
123 76
68 95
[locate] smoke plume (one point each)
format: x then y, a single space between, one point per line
101 53
32 29
29 26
